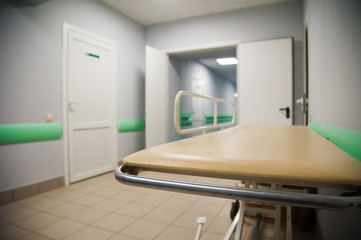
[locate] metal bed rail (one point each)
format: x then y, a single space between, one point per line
202 128
339 203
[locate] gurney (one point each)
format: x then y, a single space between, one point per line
283 155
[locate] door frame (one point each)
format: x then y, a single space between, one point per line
67 28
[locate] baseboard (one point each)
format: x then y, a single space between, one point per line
16 194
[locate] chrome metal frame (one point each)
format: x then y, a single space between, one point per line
339 203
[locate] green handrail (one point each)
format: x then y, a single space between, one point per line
29 132
131 125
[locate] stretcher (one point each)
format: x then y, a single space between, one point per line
283 155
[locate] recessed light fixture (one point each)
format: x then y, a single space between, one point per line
227 61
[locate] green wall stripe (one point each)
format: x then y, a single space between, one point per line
131 125
220 118
29 132
347 140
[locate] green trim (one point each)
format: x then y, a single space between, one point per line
29 132
185 115
131 125
220 118
92 55
186 122
347 140
185 119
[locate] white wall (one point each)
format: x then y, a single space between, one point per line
335 87
334 65
251 24
31 79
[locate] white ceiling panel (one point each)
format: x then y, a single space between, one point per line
149 12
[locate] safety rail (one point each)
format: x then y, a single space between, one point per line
206 127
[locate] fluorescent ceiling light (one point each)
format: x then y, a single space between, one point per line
227 61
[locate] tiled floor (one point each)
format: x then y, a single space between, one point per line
102 208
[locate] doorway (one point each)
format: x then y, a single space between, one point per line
89 100
166 83
200 73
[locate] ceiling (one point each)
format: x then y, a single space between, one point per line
148 12
208 59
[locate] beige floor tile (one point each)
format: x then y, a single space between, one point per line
46 204
9 207
103 181
177 233
144 229
114 222
129 196
135 210
219 225
108 191
66 195
3 224
212 236
122 237
88 200
10 232
17 214
162 215
212 200
163 193
176 204
31 200
88 215
66 209
37 221
33 236
143 190
109 205
185 196
60 229
189 220
85 187
204 208
92 233
226 210
120 186
151 200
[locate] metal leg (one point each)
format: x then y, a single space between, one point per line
237 222
289 224
239 228
200 221
256 233
277 223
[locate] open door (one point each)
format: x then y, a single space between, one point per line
264 82
156 97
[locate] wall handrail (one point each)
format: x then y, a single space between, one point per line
202 128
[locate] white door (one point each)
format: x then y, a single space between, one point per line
264 82
197 103
156 97
91 103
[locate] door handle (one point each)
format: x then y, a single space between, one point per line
287 109
71 103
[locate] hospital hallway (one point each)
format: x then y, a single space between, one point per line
102 208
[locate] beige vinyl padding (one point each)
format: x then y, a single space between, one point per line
283 154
